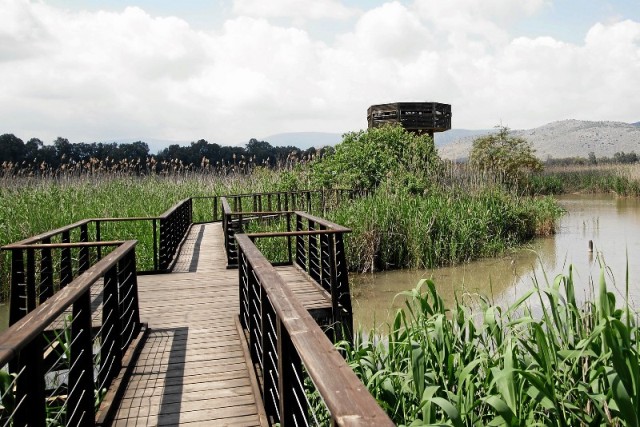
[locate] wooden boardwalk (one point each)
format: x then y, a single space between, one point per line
193 367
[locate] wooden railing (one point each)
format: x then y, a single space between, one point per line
239 209
36 275
299 368
304 379
174 225
312 201
319 251
60 359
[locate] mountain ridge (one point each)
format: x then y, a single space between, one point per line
566 138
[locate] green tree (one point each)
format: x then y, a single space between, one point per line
505 154
365 159
11 148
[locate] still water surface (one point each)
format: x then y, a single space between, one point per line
613 224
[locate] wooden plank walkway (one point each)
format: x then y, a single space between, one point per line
192 369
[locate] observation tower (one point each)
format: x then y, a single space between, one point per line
416 117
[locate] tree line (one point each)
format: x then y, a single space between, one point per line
619 157
34 157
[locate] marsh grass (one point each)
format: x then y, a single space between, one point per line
393 229
30 206
624 180
570 364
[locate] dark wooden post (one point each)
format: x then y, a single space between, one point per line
164 242
301 253
84 261
30 277
80 410
156 264
314 259
326 262
243 280
255 295
289 240
66 266
17 308
98 237
333 282
128 291
30 385
111 351
46 272
342 288
290 369
131 289
270 359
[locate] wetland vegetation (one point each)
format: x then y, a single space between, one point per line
566 364
572 363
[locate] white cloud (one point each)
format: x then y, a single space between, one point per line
499 11
297 9
389 31
89 76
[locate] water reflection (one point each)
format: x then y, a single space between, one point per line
613 224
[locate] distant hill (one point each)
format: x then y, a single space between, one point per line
636 124
303 140
567 138
453 135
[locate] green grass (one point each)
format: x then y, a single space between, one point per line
33 206
399 230
623 180
568 364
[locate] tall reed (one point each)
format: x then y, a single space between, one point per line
30 206
623 180
570 364
394 229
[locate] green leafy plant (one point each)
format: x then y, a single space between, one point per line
544 360
365 159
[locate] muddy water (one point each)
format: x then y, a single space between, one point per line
613 224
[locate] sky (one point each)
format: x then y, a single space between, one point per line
231 70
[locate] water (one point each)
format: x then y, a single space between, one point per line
613 224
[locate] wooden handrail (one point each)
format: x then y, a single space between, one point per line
260 213
51 233
347 399
172 209
23 331
58 339
64 245
323 222
295 233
